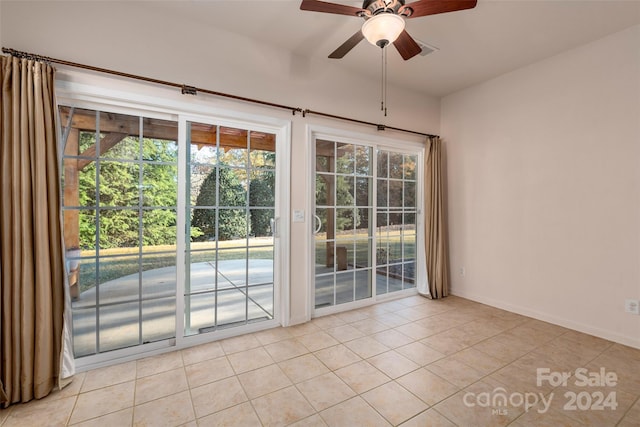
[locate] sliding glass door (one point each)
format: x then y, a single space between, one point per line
366 210
168 228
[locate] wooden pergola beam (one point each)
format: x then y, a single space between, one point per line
84 120
106 143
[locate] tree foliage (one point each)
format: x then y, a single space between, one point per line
261 194
231 216
120 195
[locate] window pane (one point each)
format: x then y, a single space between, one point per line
234 142
159 150
158 319
260 268
202 139
201 271
324 290
409 274
261 223
362 226
363 160
363 253
410 167
409 194
88 138
262 189
160 185
382 191
409 241
263 150
395 194
396 165
159 228
381 280
409 221
345 254
344 287
232 224
119 184
394 253
344 191
84 331
232 269
363 284
119 326
231 307
80 229
395 219
362 191
325 217
344 221
324 257
203 225
325 189
119 228
203 185
158 275
345 160
325 156
383 164
261 302
231 190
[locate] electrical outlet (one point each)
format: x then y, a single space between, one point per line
632 306
463 271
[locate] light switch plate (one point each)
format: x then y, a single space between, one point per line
298 215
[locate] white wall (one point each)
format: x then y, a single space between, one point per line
137 38
544 188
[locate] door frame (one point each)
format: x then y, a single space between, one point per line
315 132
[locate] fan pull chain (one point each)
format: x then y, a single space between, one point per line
385 81
382 79
383 95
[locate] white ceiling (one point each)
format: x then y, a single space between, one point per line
495 37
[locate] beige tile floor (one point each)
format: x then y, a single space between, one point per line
409 362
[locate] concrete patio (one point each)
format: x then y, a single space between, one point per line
129 305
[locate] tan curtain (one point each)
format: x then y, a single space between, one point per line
435 225
31 257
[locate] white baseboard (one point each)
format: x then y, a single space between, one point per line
546 317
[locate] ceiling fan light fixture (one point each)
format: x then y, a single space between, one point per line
382 29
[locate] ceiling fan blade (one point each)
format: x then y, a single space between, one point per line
323 6
347 46
407 46
433 7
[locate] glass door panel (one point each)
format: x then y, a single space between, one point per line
343 234
120 211
230 246
396 221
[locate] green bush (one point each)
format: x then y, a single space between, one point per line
232 222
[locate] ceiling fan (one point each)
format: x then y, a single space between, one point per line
384 21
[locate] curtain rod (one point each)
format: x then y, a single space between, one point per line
380 127
191 90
